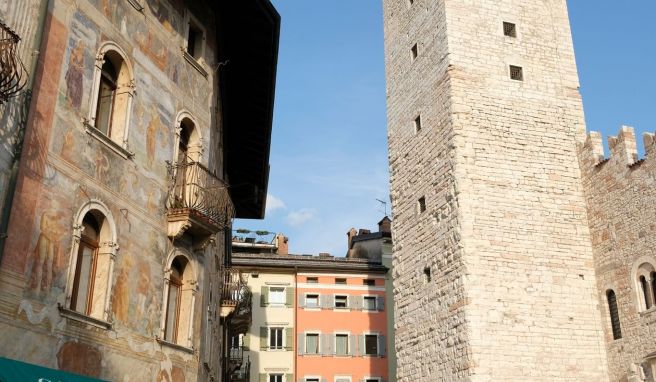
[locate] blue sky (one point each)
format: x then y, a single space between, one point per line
329 150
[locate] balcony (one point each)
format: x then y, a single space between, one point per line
236 301
198 202
241 373
13 76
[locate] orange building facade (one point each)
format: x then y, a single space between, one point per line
336 308
341 327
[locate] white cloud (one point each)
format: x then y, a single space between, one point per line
273 203
296 218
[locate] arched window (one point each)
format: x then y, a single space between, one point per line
92 261
645 284
112 95
179 300
189 139
614 314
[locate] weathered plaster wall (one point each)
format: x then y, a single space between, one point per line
63 167
621 199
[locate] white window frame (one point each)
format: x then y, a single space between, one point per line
377 379
343 377
348 344
309 378
375 298
118 144
269 375
318 334
280 347
346 308
284 296
318 306
108 249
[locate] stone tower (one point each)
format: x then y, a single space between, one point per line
493 268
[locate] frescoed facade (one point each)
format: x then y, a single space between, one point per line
113 258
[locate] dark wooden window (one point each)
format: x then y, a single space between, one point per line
340 281
106 97
85 266
369 282
371 344
173 302
194 41
614 315
312 280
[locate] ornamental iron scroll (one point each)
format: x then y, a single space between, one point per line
12 71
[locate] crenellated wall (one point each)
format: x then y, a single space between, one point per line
620 191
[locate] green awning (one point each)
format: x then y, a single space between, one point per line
15 371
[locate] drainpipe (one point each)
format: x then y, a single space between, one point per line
13 175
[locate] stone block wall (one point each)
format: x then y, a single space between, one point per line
620 190
512 292
431 329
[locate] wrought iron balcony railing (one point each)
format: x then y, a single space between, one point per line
236 301
197 195
13 75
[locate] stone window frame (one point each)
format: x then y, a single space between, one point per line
196 146
107 250
188 292
305 305
119 142
341 378
197 61
644 266
616 333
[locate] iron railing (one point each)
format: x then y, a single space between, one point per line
195 190
235 290
236 354
12 71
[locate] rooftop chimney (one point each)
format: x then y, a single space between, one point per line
385 225
282 243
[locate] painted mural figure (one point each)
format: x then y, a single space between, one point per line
75 75
45 253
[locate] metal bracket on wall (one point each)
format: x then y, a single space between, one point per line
136 5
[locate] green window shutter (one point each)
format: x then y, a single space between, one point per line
263 378
381 345
247 337
264 333
352 345
361 349
290 297
289 377
264 296
289 339
301 344
380 304
301 300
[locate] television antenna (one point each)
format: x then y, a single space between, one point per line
383 204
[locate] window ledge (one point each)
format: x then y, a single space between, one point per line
175 346
120 150
191 60
648 311
77 316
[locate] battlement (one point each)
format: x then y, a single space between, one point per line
623 149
